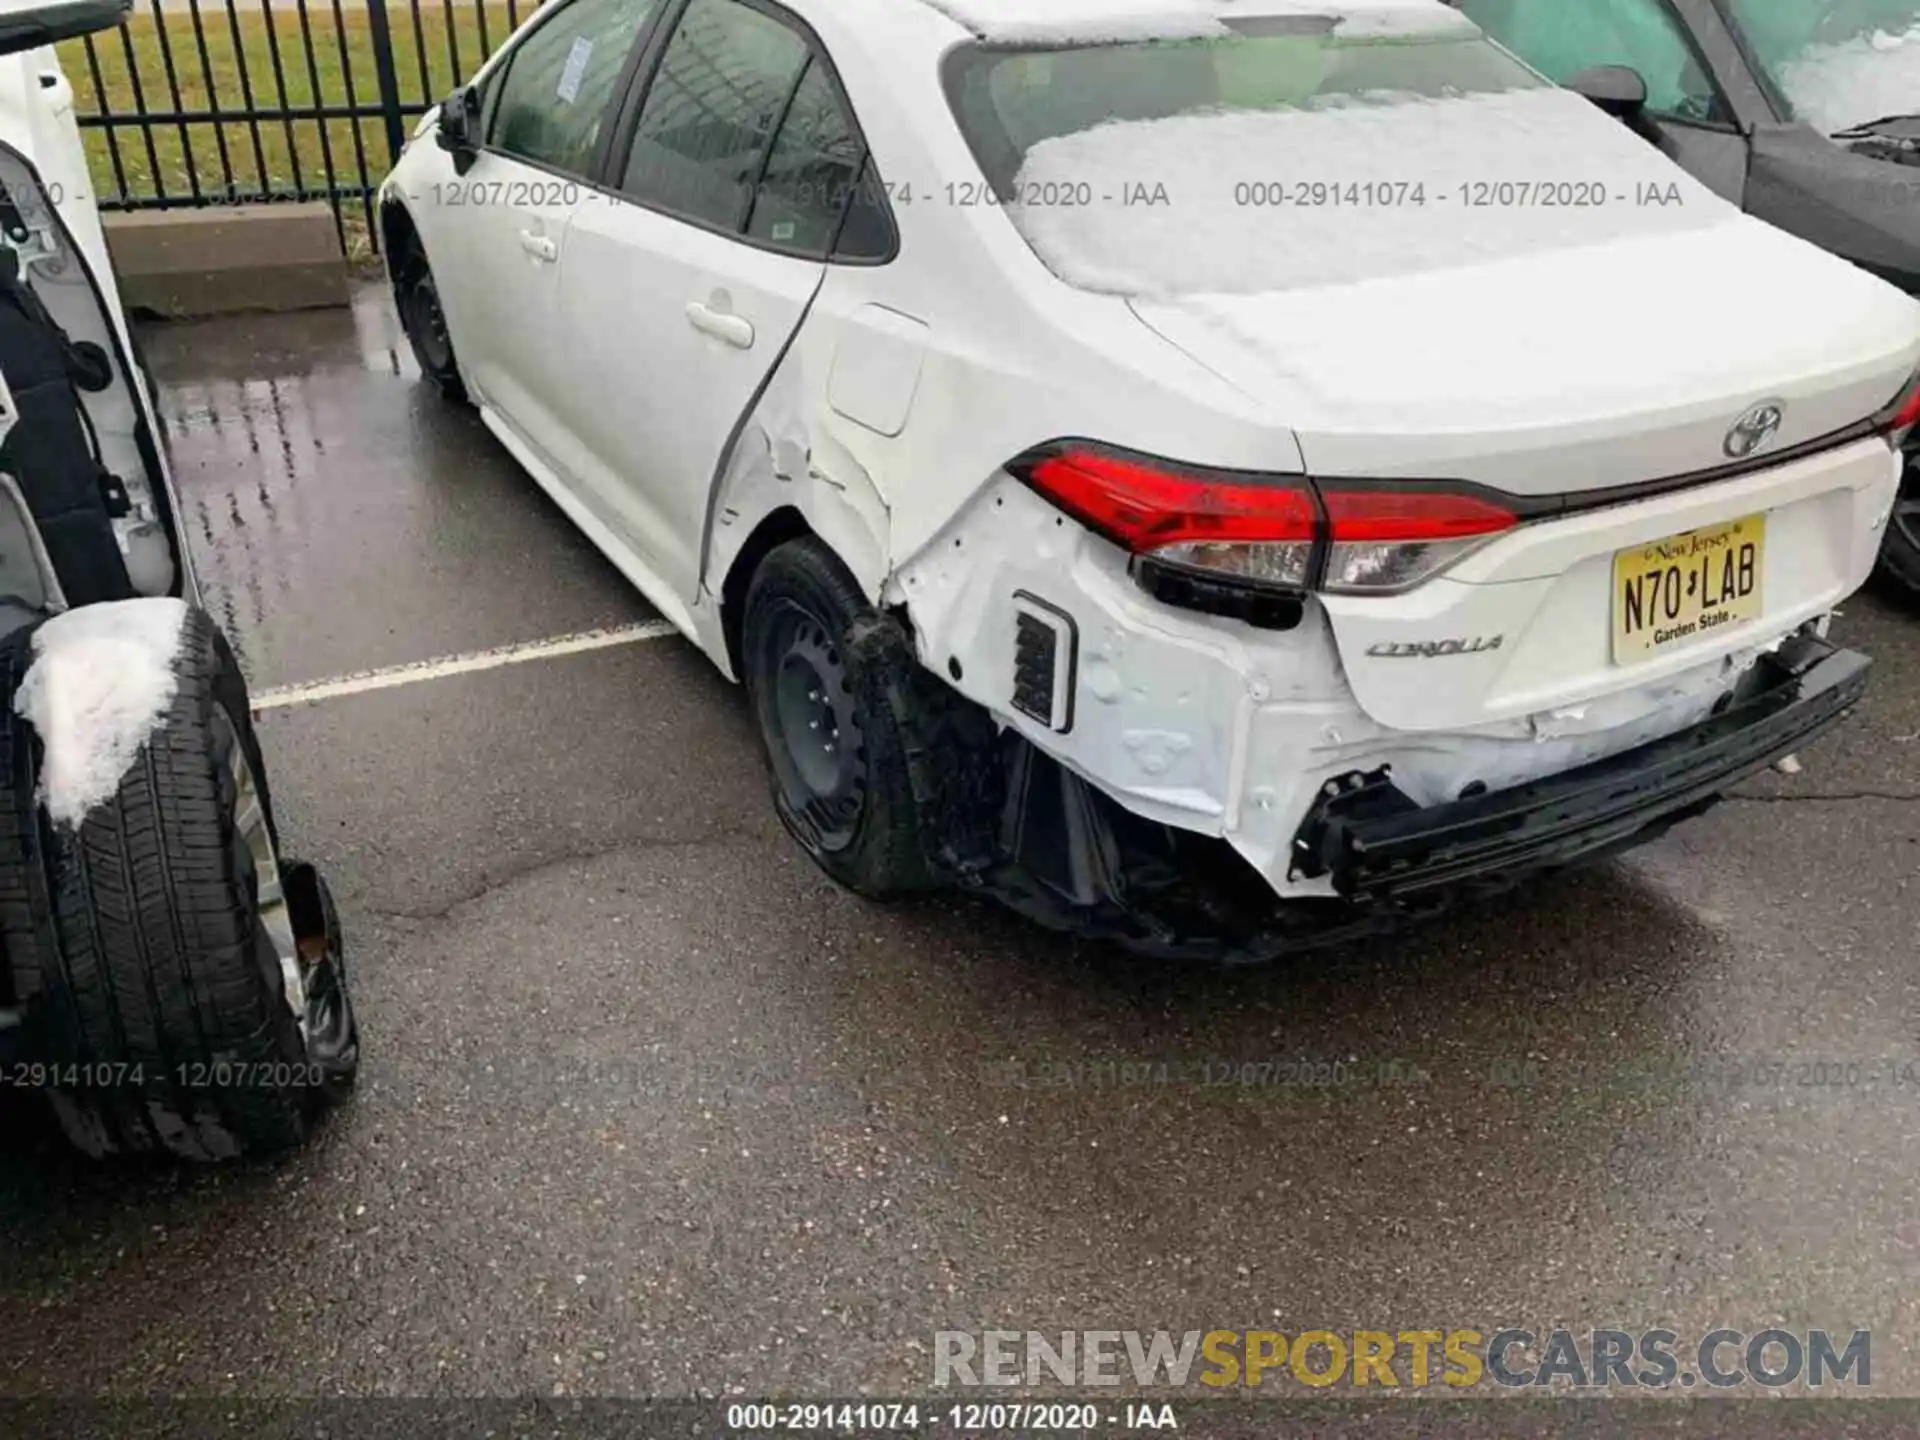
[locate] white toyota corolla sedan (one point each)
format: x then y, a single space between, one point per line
1217 474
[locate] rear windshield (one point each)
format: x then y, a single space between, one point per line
1301 159
1009 100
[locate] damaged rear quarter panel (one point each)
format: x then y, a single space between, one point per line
1163 702
797 451
964 377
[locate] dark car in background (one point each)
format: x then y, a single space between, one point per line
1804 112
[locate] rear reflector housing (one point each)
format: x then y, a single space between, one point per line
1388 538
1209 539
1046 654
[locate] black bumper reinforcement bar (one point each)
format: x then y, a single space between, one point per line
1376 844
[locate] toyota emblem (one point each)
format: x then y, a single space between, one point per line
1752 431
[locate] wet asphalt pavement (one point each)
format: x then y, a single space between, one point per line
650 1107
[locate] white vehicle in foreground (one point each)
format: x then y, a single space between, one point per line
1218 474
170 981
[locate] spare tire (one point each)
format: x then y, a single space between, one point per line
182 994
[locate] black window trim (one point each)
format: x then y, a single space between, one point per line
1688 122
617 144
1683 28
498 76
1770 92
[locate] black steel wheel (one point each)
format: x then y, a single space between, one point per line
820 759
417 297
827 728
1899 566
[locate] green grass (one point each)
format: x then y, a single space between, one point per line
125 73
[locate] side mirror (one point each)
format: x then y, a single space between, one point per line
457 128
1620 90
27 27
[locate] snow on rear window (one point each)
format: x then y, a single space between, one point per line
1246 202
1058 22
1031 23
1863 79
1379 19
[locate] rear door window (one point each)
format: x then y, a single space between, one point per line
745 129
812 176
722 86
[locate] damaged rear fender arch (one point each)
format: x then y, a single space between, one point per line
796 466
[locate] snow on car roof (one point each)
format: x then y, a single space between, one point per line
1045 22
1392 185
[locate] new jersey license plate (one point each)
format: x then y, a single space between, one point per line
1677 589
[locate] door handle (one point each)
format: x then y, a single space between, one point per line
730 328
539 246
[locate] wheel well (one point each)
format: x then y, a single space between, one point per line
398 238
775 530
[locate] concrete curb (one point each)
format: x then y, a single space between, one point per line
220 259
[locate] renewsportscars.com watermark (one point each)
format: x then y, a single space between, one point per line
1459 1359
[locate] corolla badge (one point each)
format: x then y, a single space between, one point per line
1433 649
1753 430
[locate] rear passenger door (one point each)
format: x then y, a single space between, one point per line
503 225
732 181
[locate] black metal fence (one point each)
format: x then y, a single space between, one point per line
216 102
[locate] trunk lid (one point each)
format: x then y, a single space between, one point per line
1508 288
1582 368
1571 370
1528 629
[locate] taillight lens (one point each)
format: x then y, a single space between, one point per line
1384 538
1901 417
1266 532
1250 528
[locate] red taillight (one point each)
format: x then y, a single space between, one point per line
1378 515
1146 506
1904 413
1287 533
1384 538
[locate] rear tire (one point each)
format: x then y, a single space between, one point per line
832 743
416 295
1899 568
160 948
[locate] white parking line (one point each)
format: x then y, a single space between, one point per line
306 692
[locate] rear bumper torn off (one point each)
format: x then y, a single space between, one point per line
1376 844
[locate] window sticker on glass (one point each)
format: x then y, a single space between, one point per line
576 68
